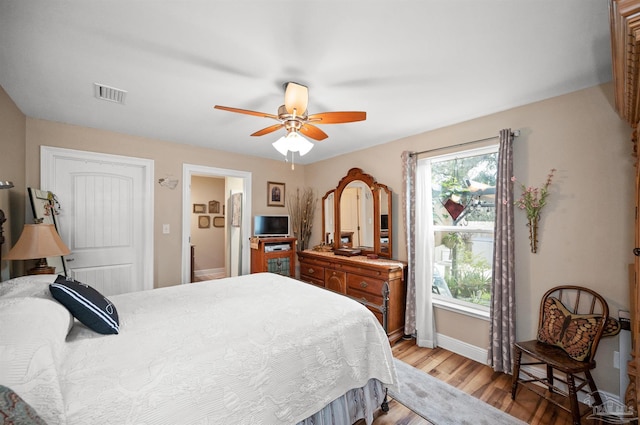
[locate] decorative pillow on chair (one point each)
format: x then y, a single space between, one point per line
86 304
573 333
14 410
611 327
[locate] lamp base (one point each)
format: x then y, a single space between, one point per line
42 268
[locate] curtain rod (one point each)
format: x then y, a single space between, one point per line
514 133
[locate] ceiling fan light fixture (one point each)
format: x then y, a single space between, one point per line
296 99
281 145
293 142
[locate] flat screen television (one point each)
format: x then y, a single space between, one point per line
271 225
384 221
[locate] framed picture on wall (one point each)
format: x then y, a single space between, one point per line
204 222
199 209
218 221
45 206
275 194
214 207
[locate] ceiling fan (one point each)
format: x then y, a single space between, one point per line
294 118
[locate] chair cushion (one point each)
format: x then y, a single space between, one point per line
611 327
573 333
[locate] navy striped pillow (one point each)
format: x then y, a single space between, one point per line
86 304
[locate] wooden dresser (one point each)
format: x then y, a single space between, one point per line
379 284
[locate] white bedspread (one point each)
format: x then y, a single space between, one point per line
257 349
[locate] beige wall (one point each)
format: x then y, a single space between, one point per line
12 159
168 159
586 230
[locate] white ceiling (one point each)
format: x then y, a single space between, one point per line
412 65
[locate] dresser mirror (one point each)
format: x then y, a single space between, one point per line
385 220
327 217
357 214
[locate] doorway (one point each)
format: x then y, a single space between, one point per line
236 237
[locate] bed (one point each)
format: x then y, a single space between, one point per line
255 349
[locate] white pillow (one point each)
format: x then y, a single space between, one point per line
32 340
36 285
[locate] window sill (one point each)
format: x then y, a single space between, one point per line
461 309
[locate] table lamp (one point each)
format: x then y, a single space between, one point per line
38 241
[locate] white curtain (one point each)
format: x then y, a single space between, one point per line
425 324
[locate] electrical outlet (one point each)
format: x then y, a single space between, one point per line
165 229
616 359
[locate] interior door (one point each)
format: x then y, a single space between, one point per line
104 218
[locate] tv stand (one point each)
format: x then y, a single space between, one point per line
275 255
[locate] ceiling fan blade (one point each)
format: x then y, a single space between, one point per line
313 132
247 112
296 97
268 130
337 117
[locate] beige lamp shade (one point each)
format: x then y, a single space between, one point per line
38 241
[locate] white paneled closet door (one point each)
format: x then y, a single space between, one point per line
105 218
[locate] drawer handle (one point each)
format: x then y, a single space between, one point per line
311 270
363 284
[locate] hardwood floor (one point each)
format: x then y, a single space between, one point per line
473 378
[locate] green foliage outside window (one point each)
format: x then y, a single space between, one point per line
467 239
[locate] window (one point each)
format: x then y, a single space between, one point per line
463 197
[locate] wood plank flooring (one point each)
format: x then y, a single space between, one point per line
473 378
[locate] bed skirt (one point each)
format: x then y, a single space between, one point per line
356 404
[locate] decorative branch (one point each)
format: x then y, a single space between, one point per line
302 208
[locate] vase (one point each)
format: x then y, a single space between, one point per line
533 233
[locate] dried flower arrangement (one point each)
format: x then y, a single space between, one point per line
302 208
531 200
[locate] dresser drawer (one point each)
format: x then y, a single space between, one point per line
312 281
365 284
365 296
311 271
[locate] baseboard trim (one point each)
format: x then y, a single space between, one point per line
539 372
481 356
463 348
217 272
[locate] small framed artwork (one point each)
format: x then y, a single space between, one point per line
214 207
204 222
218 221
199 209
275 194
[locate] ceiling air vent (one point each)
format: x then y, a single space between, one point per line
110 94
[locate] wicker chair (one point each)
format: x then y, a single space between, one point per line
570 325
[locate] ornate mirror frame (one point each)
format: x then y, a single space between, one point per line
382 238
328 224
